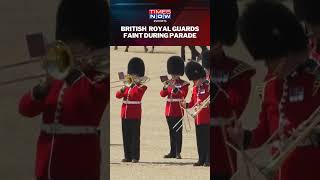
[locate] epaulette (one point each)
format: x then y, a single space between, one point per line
240 68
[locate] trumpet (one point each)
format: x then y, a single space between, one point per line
196 110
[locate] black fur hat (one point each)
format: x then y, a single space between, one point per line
136 67
205 57
270 30
175 65
194 71
84 20
224 22
308 10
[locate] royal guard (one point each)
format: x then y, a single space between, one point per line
131 110
308 12
200 100
175 90
71 100
231 82
272 33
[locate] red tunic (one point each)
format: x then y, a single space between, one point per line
286 104
229 103
132 96
199 94
173 108
69 156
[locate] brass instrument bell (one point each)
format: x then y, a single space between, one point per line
58 60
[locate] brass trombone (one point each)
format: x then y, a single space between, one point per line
128 80
169 82
166 81
196 110
268 171
59 55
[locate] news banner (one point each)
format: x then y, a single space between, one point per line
149 25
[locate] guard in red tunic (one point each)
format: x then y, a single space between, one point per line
291 90
200 92
231 82
72 104
175 90
131 110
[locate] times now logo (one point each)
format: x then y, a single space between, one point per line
159 14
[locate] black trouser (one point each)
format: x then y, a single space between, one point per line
194 52
175 137
203 48
183 53
203 142
220 177
131 138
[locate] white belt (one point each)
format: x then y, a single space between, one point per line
131 102
220 122
174 100
63 129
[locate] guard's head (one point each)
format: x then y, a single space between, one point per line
136 67
83 21
270 30
175 66
194 71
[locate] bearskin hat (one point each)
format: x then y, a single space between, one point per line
224 15
194 71
84 20
308 10
270 30
175 65
136 67
206 58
